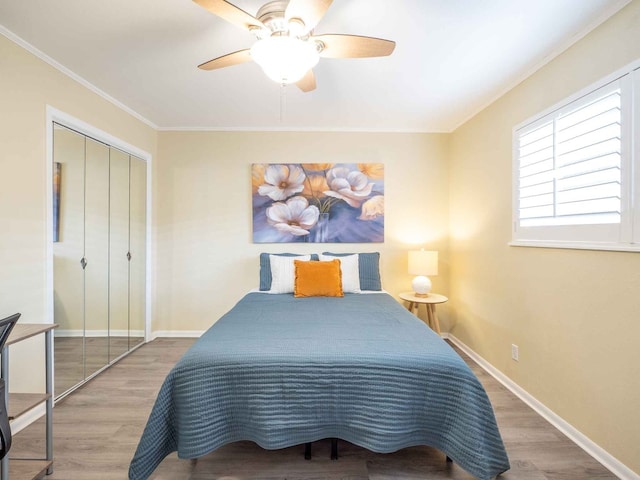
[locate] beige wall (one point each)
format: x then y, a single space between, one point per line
573 313
27 86
205 256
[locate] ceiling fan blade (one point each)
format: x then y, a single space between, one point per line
354 46
308 82
227 60
309 11
231 13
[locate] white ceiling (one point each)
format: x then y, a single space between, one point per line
452 58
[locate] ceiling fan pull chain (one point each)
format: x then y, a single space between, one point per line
283 101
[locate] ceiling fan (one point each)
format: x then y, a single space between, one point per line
286 47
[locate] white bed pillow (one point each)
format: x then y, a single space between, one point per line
283 272
350 269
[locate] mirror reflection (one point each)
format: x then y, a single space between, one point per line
99 255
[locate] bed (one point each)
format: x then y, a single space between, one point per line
282 371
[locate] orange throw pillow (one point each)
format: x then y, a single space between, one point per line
318 279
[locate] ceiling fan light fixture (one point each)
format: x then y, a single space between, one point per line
285 59
296 27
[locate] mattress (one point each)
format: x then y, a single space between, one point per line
282 371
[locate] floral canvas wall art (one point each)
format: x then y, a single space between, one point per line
318 202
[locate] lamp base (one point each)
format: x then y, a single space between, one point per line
421 286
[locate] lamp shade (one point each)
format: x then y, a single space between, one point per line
423 262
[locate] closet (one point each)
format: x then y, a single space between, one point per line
99 255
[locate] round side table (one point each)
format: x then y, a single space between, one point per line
429 302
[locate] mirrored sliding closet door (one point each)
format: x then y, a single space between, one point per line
99 255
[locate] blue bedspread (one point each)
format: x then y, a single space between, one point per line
282 371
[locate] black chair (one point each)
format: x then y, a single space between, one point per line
6 325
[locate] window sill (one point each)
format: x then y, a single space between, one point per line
612 247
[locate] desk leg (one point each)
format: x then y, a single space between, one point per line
4 467
48 340
433 317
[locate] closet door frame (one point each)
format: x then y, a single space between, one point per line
64 119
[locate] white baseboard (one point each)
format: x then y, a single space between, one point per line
28 418
99 333
177 334
605 458
134 333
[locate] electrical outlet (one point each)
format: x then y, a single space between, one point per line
514 352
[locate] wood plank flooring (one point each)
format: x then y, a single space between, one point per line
97 428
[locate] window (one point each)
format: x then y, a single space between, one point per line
574 170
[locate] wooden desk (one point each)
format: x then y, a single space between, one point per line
20 403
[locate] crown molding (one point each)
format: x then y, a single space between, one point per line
74 76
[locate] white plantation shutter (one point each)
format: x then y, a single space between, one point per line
574 170
569 164
588 179
537 177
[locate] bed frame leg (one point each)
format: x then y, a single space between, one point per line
334 449
307 451
449 459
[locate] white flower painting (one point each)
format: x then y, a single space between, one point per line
318 202
282 181
295 216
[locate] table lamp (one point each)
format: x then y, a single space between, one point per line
422 263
